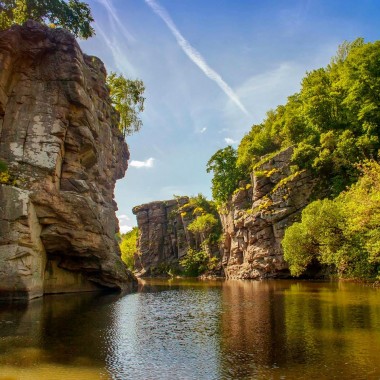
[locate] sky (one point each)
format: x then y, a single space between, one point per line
212 69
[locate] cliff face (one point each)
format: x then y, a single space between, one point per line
255 219
60 140
164 237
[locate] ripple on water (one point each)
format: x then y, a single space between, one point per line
169 334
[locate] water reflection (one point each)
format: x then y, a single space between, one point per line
300 331
197 330
55 336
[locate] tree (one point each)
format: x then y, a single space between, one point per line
343 233
73 15
126 97
226 174
317 237
128 247
206 226
332 123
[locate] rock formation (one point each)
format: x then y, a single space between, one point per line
164 237
255 219
59 137
254 223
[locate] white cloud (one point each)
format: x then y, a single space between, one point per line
201 130
123 217
124 229
142 164
195 56
229 141
124 223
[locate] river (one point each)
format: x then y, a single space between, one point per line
183 329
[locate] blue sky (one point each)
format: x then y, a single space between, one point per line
211 69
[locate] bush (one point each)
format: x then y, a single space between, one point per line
195 262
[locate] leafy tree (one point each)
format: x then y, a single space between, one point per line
207 227
73 15
343 233
226 173
195 262
332 123
315 238
126 96
128 247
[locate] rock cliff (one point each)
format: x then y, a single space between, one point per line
164 237
59 138
255 219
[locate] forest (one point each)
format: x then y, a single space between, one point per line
332 123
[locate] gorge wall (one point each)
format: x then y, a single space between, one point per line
253 221
60 140
164 237
256 217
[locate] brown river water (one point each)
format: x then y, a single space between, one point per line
183 329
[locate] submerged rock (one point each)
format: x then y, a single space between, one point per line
60 140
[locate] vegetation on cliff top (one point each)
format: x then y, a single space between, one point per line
226 173
126 97
75 16
206 228
333 125
333 122
72 15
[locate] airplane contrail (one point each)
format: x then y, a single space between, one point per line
194 55
112 12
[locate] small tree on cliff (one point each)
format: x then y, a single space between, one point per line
126 96
73 15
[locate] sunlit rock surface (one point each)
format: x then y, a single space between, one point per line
164 237
255 219
59 137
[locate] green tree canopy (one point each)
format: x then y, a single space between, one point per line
343 233
333 122
72 15
226 173
128 247
126 96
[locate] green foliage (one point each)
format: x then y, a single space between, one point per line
4 173
72 15
126 97
195 262
343 233
6 176
128 247
3 167
226 173
333 122
206 223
